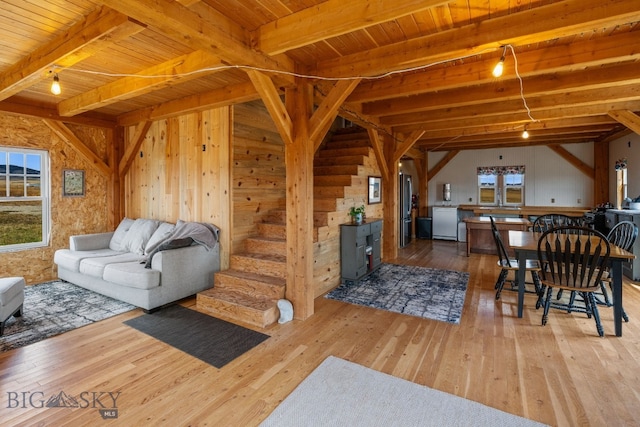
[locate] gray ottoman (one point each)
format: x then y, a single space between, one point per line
11 298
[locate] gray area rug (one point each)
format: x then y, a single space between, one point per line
211 340
417 291
342 393
52 308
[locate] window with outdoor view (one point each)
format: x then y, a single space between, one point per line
24 198
501 185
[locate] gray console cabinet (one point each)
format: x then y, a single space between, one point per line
355 242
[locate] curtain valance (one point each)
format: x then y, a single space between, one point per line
500 170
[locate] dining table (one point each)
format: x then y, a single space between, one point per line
525 245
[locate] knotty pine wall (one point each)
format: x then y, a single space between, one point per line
69 215
233 183
259 179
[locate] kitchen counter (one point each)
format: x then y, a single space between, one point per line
480 237
523 211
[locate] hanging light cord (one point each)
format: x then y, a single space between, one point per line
315 77
524 100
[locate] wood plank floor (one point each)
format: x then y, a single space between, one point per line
561 374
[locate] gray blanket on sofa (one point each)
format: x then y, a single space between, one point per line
186 234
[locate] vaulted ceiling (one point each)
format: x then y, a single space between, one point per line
571 68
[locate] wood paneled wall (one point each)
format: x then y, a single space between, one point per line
182 171
69 215
201 167
258 170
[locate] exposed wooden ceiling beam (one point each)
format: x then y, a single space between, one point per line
333 18
96 32
327 111
508 89
216 34
274 104
573 160
70 138
561 101
24 107
133 146
441 164
406 144
627 118
242 92
480 145
552 125
378 150
180 69
575 56
530 26
518 116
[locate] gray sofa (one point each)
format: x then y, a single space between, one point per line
144 262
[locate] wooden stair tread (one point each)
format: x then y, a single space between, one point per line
238 298
247 275
263 257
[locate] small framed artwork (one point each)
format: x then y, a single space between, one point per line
375 189
72 183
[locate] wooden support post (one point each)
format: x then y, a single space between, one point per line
390 208
299 182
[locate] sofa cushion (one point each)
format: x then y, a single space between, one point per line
163 231
95 266
131 274
138 235
70 260
118 236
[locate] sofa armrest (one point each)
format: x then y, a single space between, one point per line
191 263
90 242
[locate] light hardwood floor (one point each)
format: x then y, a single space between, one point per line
561 374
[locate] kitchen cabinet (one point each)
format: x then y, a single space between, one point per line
360 249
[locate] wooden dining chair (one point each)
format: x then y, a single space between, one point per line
622 235
507 264
549 221
576 258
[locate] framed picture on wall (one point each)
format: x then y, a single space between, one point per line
72 183
375 189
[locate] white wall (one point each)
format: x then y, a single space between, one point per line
547 175
626 147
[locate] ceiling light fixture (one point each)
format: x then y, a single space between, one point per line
497 70
525 134
55 86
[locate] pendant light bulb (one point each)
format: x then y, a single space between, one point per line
525 134
497 70
55 86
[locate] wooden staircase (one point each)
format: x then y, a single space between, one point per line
247 293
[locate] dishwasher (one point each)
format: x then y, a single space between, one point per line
445 222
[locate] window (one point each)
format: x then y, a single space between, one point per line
24 198
501 185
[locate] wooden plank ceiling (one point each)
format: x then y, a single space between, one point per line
571 69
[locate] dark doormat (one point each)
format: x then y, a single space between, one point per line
211 340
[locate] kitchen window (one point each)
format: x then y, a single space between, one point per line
501 185
24 198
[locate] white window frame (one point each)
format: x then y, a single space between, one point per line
495 187
500 185
44 197
520 187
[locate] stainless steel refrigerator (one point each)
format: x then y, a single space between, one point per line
405 209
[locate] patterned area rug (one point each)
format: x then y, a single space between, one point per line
55 307
417 291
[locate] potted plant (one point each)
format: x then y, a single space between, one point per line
356 214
